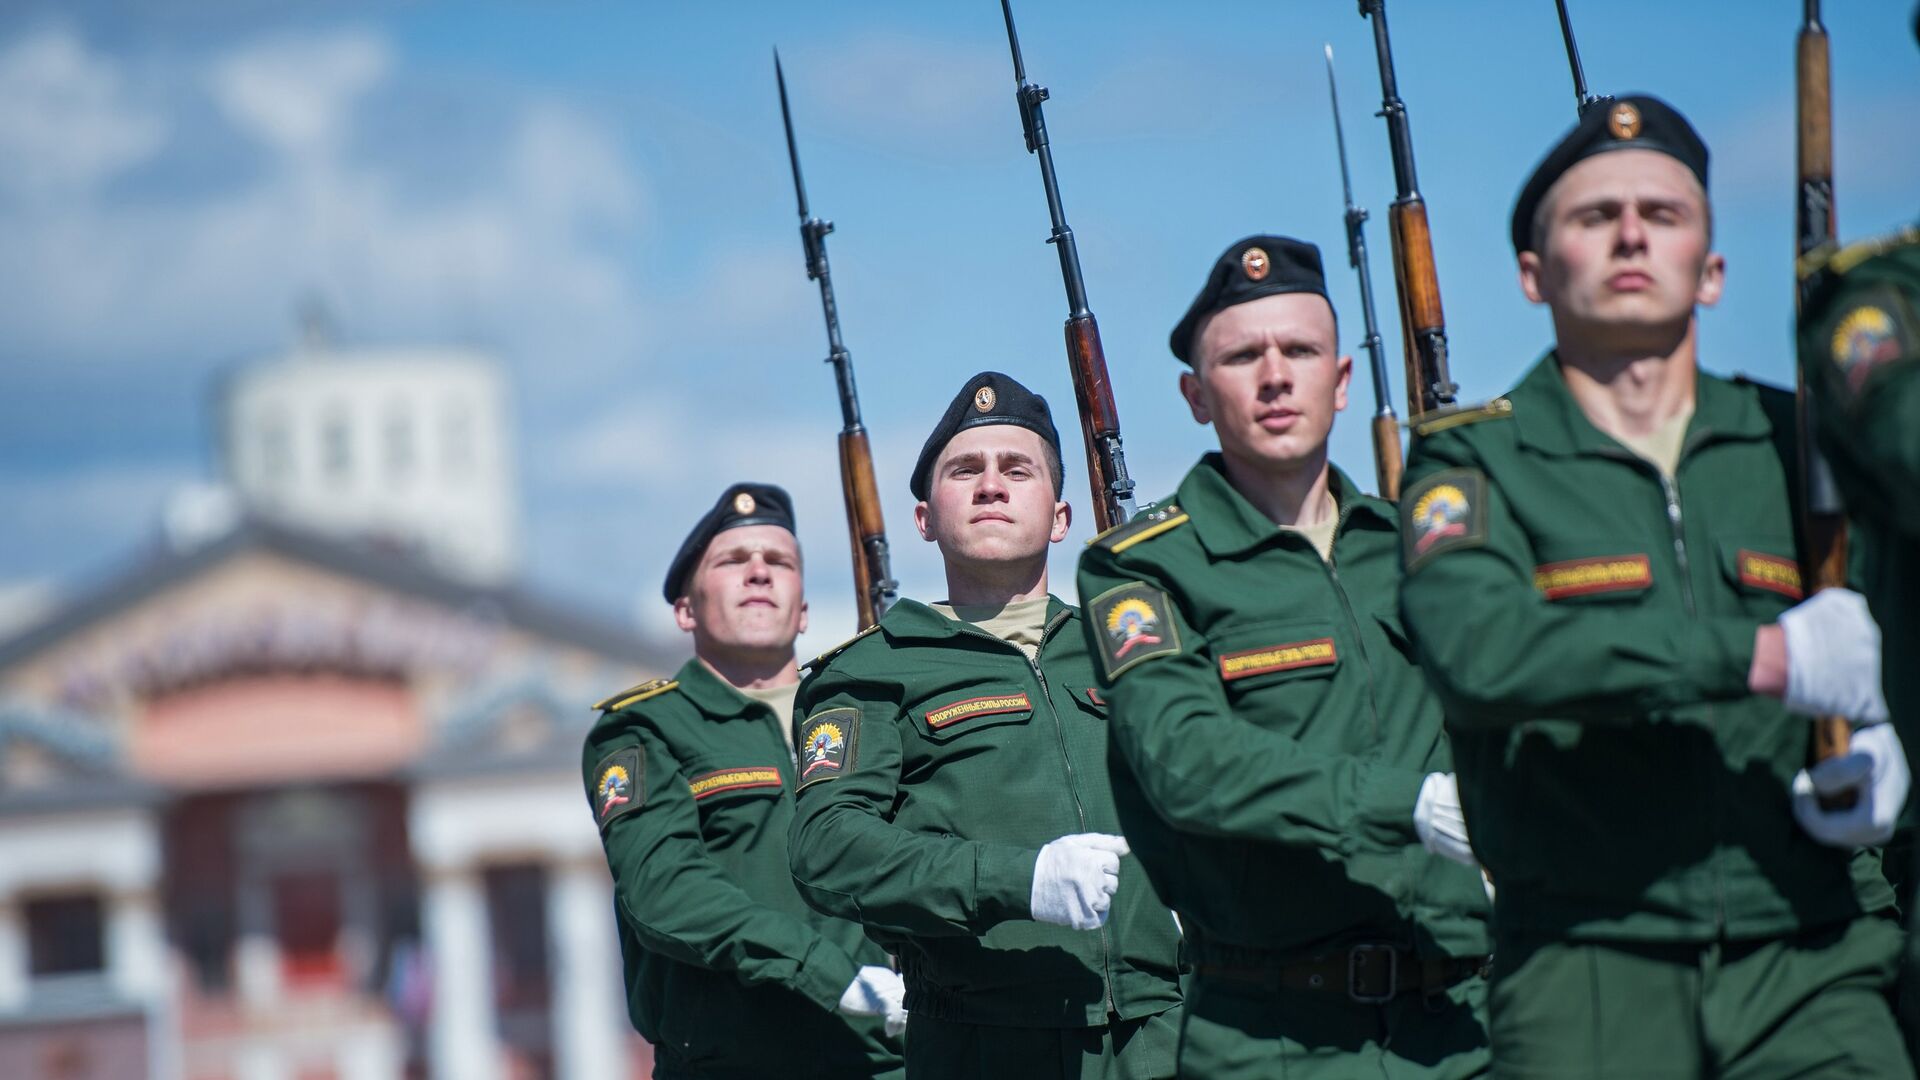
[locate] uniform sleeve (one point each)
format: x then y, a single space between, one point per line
1878 432
1499 653
851 861
1207 770
678 901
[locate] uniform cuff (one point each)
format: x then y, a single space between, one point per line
825 973
1387 797
1720 655
1003 882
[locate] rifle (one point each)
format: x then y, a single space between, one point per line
1092 392
1585 100
874 587
1823 523
1386 426
1423 326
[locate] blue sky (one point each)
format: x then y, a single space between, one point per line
597 192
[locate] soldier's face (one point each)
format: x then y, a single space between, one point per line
1269 377
991 498
1624 251
746 593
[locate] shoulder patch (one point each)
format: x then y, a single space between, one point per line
1142 528
1875 328
838 649
637 693
1443 512
1135 624
828 743
1442 419
618 784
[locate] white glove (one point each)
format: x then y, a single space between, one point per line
1875 765
877 991
1440 822
1074 879
1833 657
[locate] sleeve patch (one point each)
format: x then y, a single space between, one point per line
1134 623
1442 513
828 742
1875 330
741 779
618 784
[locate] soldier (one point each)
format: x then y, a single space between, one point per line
1278 759
953 789
728 972
1601 581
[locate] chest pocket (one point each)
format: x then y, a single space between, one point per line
1623 576
960 714
1275 653
1763 572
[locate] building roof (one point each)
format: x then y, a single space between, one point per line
382 567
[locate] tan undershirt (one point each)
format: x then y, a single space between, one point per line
1019 623
780 700
1661 446
1321 535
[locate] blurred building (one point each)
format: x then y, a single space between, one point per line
411 446
297 797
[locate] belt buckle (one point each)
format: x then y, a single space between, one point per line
1356 958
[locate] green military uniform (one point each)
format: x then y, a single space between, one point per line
935 761
1271 734
1588 623
728 972
1859 340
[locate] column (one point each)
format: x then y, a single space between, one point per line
136 953
461 1040
590 1025
13 956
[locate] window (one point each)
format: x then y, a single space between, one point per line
456 435
336 447
276 450
399 440
66 935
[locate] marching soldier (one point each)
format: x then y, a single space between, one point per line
691 779
953 792
1279 761
1601 579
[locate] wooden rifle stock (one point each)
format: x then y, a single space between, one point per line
1099 416
865 527
1422 322
1823 527
1387 464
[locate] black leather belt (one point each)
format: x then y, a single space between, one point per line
1368 974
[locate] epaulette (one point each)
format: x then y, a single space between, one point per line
634 694
1456 416
1839 260
838 649
1142 528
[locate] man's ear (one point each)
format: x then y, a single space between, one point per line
803 617
1062 521
1345 367
1530 276
923 520
683 616
1713 280
1190 389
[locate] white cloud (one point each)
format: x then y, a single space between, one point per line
67 123
523 250
297 93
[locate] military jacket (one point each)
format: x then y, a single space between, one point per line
1860 351
1271 729
935 761
1589 627
692 785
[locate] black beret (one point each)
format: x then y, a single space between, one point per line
1633 122
988 398
1252 268
741 504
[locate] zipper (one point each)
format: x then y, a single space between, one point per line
1353 621
1066 759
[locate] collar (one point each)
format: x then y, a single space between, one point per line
1228 524
911 620
1546 417
712 695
